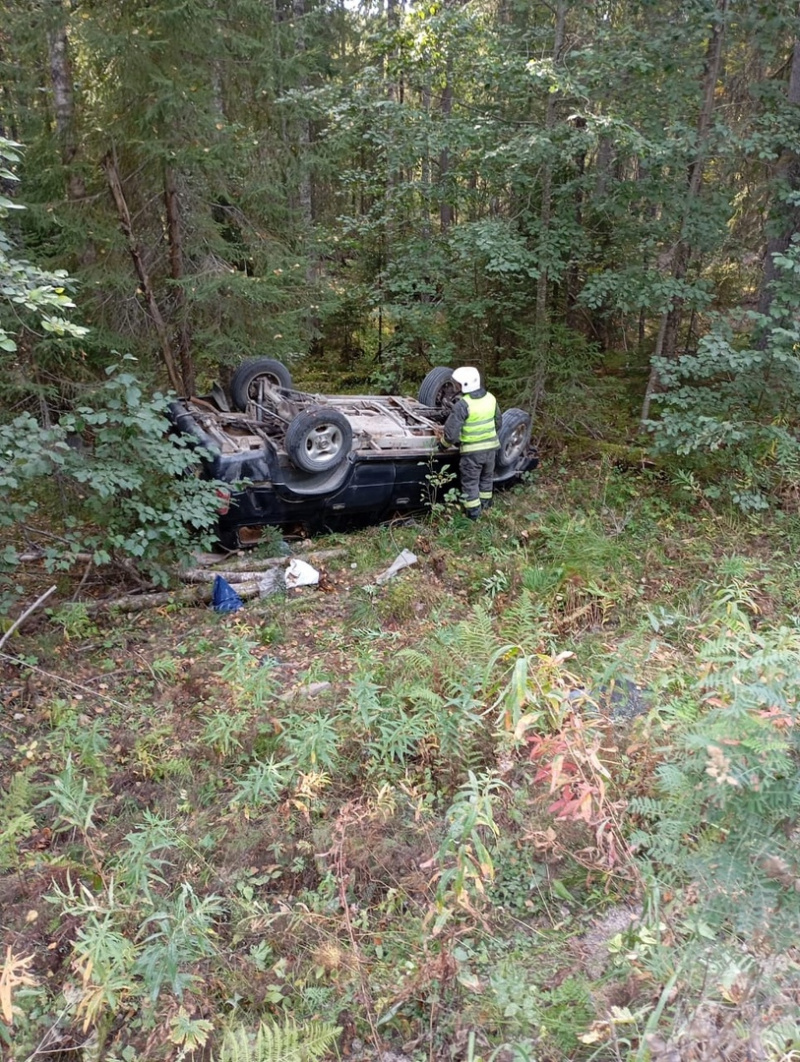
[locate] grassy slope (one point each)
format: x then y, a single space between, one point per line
337 806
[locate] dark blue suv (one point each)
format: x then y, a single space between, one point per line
326 462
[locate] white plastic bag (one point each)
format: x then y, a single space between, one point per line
300 574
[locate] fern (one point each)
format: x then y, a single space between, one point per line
418 661
782 1038
665 844
646 806
444 665
421 696
673 780
749 905
522 622
19 795
440 668
475 636
16 820
317 998
278 1043
681 710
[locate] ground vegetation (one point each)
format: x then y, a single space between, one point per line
534 799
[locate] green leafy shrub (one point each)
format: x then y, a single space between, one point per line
134 939
127 493
552 361
558 1015
28 292
730 406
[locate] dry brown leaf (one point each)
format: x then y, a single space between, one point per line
13 974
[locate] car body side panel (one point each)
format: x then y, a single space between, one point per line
369 489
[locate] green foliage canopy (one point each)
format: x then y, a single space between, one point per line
29 296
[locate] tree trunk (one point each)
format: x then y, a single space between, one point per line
174 238
425 163
572 278
115 184
64 101
546 212
605 158
305 191
190 595
446 212
393 92
668 333
8 110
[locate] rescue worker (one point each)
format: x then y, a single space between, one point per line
473 425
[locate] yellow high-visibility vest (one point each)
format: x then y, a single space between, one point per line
479 432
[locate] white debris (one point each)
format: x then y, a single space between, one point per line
313 689
271 582
301 574
404 560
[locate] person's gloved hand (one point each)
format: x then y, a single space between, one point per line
438 431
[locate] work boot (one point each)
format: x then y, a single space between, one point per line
486 504
473 514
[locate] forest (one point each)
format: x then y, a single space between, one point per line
535 798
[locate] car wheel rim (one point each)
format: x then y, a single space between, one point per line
263 383
324 444
514 444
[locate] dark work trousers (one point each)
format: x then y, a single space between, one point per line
477 480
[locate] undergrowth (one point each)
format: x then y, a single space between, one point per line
538 795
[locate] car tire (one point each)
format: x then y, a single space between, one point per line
318 440
515 437
248 374
438 390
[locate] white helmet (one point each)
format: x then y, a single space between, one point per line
468 378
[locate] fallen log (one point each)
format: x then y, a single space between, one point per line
206 575
34 555
190 595
261 564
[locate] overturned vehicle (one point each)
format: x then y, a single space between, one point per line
329 461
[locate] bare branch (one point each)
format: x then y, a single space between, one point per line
21 619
